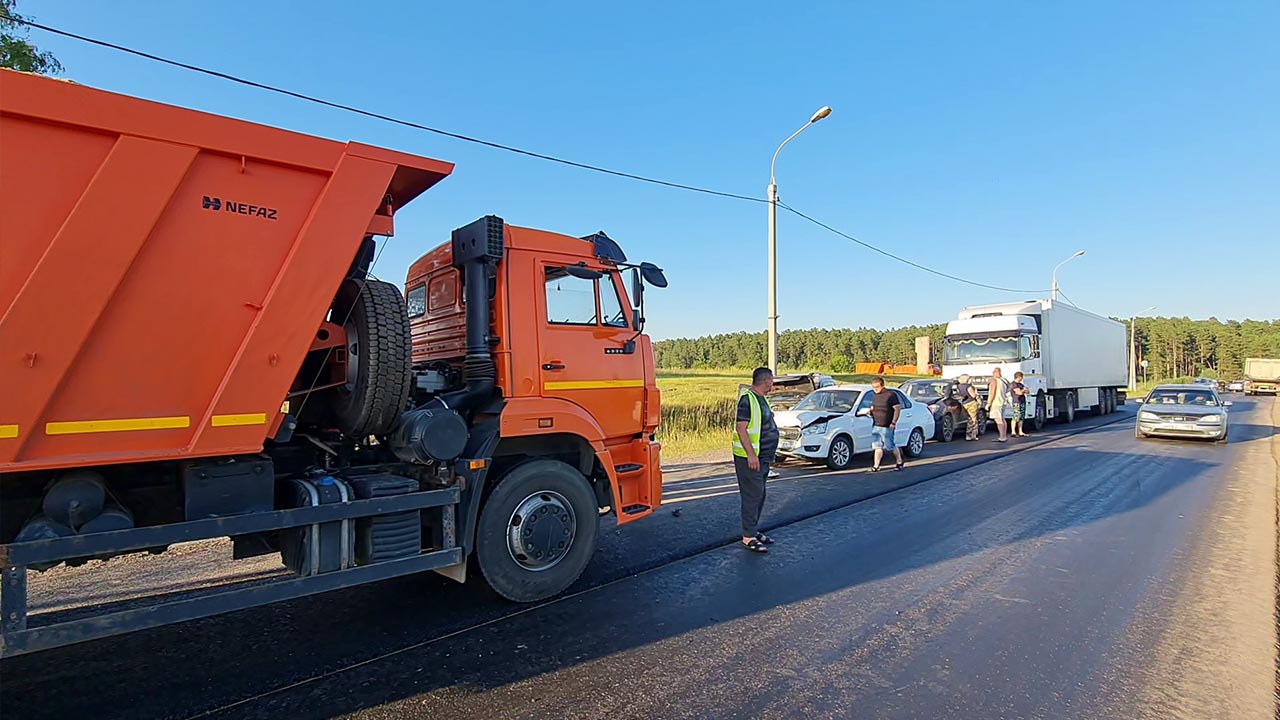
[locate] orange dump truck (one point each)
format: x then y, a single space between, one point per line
192 347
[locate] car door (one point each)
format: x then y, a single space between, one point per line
861 426
583 354
906 419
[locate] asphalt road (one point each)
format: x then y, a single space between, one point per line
1080 573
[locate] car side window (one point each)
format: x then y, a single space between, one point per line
906 401
570 300
865 402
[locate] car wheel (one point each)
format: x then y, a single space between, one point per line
915 443
840 456
982 423
1222 439
946 428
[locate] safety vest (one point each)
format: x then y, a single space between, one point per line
753 428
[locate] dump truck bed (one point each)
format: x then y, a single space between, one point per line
163 272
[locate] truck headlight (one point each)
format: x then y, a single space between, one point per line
1210 418
815 429
1149 416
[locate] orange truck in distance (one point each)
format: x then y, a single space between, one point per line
192 347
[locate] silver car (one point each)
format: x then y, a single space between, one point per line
1186 411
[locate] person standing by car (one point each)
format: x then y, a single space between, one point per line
885 409
1019 393
755 445
967 394
996 401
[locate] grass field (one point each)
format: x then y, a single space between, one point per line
698 409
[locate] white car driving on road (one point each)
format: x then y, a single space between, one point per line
833 424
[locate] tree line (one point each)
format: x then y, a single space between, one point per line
1173 347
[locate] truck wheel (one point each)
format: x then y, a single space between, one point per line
378 352
915 443
537 531
946 428
1041 414
1101 408
840 456
1068 412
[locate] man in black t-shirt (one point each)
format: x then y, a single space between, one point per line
885 409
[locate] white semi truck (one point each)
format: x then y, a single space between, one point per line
1072 360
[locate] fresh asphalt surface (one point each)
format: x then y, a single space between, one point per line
1077 573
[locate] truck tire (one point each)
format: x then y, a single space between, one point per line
378 350
1068 413
522 560
1041 414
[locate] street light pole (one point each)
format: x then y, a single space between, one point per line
1133 349
773 240
1055 271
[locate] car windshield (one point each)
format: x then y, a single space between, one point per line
836 401
925 390
984 350
1182 397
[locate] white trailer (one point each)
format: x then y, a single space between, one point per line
1071 359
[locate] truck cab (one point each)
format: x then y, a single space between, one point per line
573 366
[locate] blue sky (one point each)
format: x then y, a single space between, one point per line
990 140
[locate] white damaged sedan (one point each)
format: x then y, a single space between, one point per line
833 424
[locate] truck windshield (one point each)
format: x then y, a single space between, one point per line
984 350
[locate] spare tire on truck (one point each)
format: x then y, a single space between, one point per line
373 315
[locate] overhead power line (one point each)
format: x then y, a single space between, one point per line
901 259
486 143
380 116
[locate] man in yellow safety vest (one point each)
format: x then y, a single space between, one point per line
755 444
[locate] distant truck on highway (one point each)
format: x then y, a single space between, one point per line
194 347
1072 360
1261 375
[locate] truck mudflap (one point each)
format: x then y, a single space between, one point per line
21 632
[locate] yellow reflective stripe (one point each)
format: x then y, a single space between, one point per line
234 420
8 431
592 384
100 426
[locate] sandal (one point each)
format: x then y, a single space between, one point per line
899 466
764 538
755 546
875 468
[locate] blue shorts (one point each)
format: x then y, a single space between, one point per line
882 438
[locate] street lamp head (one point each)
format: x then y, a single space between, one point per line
822 112
1078 254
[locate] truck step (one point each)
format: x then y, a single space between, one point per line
635 509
